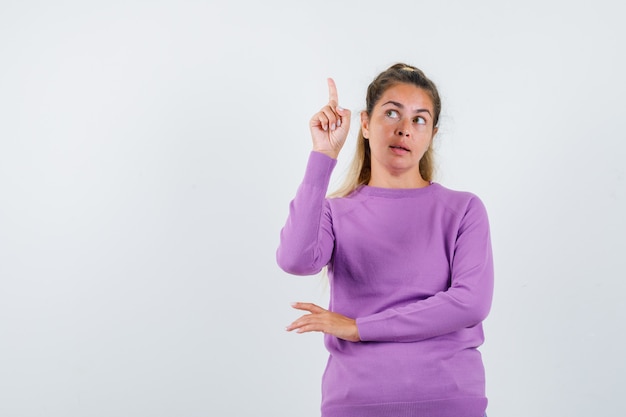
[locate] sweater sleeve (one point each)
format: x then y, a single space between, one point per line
306 239
464 304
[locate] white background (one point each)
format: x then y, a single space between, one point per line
149 151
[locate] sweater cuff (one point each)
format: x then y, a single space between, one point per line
368 329
319 169
377 329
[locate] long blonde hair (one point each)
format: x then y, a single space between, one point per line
360 169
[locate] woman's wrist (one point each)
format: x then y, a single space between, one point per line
330 154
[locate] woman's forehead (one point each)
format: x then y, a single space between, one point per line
406 95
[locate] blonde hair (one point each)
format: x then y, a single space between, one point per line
360 169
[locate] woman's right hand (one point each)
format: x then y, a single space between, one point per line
330 126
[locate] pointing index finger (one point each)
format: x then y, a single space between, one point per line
332 92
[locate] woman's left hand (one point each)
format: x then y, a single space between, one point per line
322 320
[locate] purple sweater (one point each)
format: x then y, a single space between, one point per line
414 268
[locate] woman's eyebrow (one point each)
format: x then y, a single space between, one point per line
400 105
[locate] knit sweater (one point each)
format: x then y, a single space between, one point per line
414 268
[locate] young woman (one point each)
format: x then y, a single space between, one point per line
409 261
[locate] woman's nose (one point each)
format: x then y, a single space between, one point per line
403 129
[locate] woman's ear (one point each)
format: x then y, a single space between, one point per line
365 124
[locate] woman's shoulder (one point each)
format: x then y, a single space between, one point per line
457 200
452 192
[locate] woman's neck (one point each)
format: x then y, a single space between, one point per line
397 181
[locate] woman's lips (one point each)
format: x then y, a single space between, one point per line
399 149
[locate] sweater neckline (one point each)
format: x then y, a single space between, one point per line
397 192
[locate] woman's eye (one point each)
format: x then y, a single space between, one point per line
419 120
392 113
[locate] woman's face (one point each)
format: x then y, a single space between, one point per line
400 130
